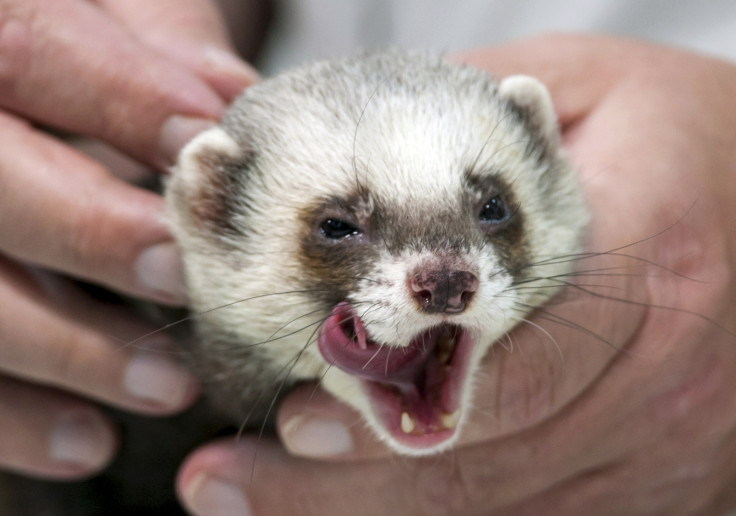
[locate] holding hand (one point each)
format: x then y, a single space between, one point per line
623 403
143 78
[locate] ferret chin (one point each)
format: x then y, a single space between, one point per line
375 223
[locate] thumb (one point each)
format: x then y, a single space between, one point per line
191 32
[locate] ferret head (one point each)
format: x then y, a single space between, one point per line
367 223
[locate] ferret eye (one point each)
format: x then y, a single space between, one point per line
495 210
335 229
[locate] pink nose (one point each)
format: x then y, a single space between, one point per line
438 291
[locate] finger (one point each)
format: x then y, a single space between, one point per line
52 435
671 473
554 59
191 32
120 165
240 478
116 89
249 477
312 423
598 432
54 336
62 210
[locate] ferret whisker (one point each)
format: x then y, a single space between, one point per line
639 259
285 371
360 119
288 367
329 366
272 404
388 356
601 271
196 315
676 309
491 134
615 275
557 319
292 321
615 251
503 340
380 348
548 334
318 322
558 282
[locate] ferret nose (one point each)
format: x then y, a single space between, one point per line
438 291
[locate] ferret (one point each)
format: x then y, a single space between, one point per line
374 223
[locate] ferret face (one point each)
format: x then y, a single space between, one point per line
367 223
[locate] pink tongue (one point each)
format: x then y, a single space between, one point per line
343 343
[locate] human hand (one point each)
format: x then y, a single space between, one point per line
623 403
143 77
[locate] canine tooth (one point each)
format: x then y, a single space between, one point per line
407 423
450 420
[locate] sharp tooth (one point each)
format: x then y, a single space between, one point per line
407 423
450 420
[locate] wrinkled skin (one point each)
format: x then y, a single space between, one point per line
142 77
627 410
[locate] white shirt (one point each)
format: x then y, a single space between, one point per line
313 29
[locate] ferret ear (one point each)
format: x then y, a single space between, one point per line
204 152
201 190
529 98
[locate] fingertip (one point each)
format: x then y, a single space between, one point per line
227 73
159 271
50 435
313 424
227 63
314 436
209 481
81 443
218 66
175 133
211 495
194 34
160 382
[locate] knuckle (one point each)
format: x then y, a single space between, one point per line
73 359
87 242
15 47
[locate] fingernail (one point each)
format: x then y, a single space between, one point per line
215 497
159 271
175 133
316 437
153 377
81 438
224 62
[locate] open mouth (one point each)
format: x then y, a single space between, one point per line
415 391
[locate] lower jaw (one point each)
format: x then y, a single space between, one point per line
429 426
422 435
